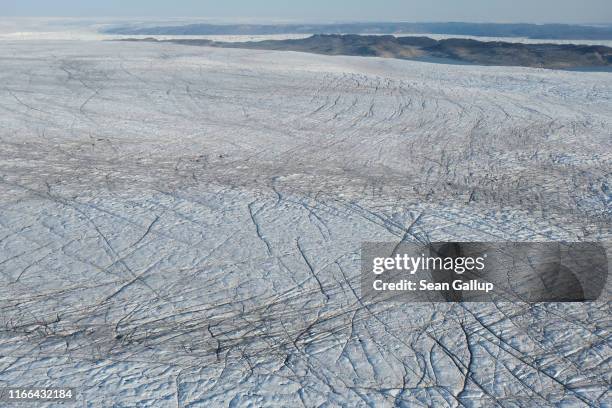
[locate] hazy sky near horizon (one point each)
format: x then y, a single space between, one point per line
532 11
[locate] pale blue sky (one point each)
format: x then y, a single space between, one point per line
563 11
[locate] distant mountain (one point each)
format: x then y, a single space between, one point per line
544 31
561 56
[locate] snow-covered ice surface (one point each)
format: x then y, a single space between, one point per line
180 226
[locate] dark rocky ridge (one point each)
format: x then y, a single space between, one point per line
555 56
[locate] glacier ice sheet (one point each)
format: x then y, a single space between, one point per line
180 226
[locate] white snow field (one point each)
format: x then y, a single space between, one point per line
181 226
